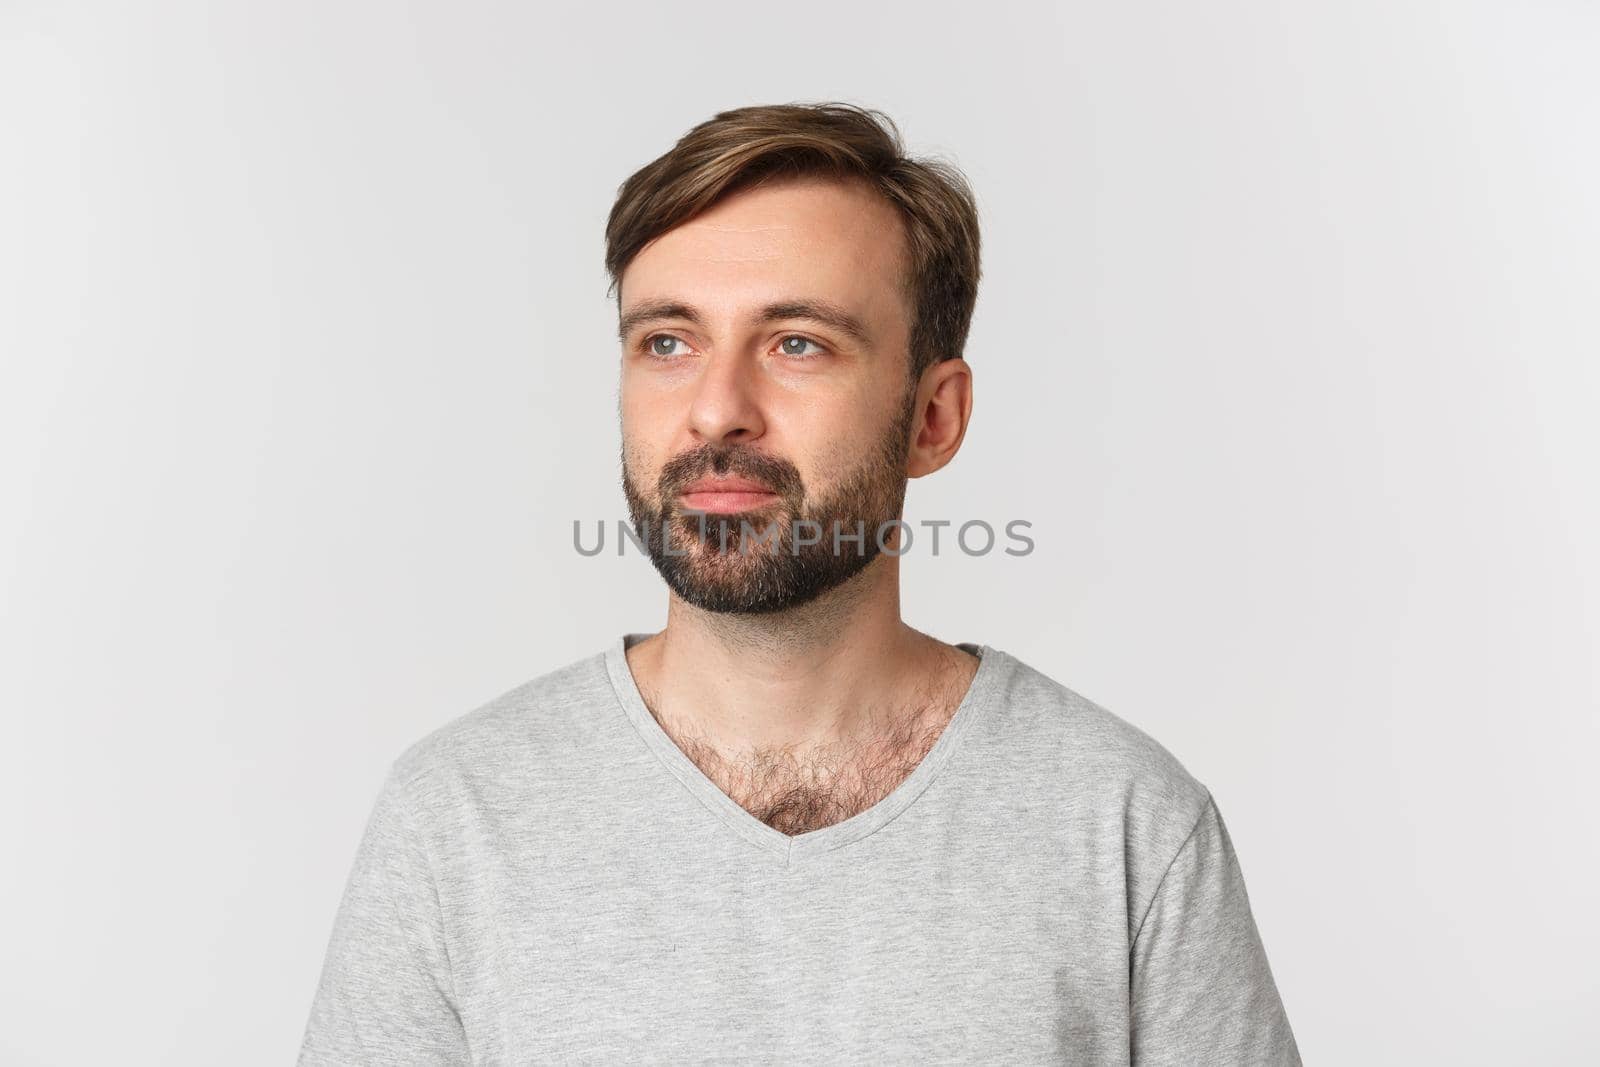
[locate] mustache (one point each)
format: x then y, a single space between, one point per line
775 472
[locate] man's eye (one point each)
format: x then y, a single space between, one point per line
794 345
661 345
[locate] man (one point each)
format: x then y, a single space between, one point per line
789 826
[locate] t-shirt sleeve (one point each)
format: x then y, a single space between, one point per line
1202 992
385 993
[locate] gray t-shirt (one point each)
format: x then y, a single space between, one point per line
551 879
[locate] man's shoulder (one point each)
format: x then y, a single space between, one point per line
1103 786
548 712
1090 752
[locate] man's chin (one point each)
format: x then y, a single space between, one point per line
727 582
733 597
731 583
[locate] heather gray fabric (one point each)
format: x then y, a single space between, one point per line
550 879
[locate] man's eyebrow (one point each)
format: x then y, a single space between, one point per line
651 310
819 311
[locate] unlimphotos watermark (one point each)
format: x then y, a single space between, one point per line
974 537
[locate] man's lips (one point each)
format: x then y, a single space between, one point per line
726 494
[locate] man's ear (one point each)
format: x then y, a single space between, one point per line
939 422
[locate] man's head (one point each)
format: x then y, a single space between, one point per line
794 296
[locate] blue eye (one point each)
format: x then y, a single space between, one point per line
666 346
784 347
652 342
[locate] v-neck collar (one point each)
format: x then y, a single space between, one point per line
993 664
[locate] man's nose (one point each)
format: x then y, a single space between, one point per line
725 406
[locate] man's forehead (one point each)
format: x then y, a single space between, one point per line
859 303
718 239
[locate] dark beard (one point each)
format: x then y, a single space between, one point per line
721 562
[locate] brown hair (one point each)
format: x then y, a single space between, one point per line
738 148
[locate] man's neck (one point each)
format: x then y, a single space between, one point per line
841 669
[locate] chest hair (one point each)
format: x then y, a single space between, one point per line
795 790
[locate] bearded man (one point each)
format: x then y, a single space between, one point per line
789 826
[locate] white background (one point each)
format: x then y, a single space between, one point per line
1286 346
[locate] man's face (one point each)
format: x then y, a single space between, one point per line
747 419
